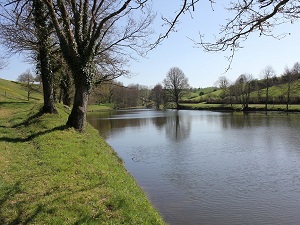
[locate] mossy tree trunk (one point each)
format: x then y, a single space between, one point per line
44 55
77 118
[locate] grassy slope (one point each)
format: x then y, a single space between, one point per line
274 92
51 174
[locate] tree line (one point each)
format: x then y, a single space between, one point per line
173 88
246 89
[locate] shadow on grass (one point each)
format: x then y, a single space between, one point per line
6 201
9 201
15 103
32 136
29 120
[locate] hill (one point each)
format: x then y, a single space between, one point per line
278 92
51 174
18 92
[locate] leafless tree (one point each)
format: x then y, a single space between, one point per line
296 70
288 77
268 73
243 87
175 84
223 84
28 79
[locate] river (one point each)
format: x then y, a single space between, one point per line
203 167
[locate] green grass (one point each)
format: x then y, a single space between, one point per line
17 91
51 174
100 107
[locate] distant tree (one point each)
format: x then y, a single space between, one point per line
132 95
29 79
288 78
243 89
223 84
296 70
175 84
157 95
144 94
268 73
231 93
124 97
101 93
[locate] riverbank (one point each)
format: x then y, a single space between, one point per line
51 174
238 107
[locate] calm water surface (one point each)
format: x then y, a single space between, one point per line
201 167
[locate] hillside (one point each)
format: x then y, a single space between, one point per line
17 91
277 94
52 174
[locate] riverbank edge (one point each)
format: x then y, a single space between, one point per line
51 174
238 108
213 107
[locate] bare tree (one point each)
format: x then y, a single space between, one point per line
268 73
296 70
29 79
243 87
223 84
175 84
288 77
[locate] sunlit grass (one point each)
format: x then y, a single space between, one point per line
100 107
52 174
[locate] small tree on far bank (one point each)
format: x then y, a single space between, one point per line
175 83
268 73
157 95
223 84
29 79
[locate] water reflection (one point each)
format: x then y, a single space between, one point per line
202 167
178 128
108 123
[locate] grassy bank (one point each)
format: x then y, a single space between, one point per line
51 174
100 107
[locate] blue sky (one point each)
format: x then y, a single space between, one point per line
201 68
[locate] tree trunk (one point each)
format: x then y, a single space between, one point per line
49 106
47 80
44 54
267 95
77 118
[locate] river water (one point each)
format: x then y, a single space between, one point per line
202 167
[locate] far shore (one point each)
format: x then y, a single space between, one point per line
215 107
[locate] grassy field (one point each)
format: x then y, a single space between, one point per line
51 174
